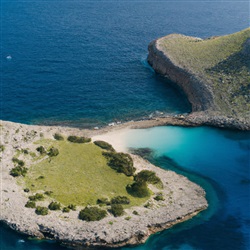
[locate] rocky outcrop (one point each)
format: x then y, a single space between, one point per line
198 93
198 88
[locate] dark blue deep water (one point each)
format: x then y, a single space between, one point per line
82 63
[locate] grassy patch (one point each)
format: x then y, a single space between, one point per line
220 62
78 175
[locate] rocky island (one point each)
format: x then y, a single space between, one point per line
214 73
68 185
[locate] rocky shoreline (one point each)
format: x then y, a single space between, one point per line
184 199
205 110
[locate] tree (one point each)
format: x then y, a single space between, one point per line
92 214
147 176
138 189
53 152
76 139
104 145
117 210
54 205
58 137
122 163
41 210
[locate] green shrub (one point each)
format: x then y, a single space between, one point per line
54 205
148 205
104 145
41 150
19 162
18 171
36 197
120 200
40 177
41 210
25 151
58 137
92 214
147 176
53 152
30 204
48 193
135 212
159 197
138 189
117 210
2 148
72 207
121 162
66 210
128 218
103 201
26 190
77 139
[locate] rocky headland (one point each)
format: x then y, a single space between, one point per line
213 73
182 198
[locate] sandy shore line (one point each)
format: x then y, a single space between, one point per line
183 198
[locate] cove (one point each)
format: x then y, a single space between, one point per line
221 158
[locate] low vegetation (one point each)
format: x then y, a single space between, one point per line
25 151
41 150
104 145
72 207
36 197
30 204
159 197
120 200
77 139
66 210
80 175
103 201
223 62
18 171
138 189
41 210
120 162
58 137
84 174
53 152
54 205
2 148
148 176
18 162
49 193
116 210
92 214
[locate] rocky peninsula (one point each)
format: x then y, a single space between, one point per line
180 199
213 73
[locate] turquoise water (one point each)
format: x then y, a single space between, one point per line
219 161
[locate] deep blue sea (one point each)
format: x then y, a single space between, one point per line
83 63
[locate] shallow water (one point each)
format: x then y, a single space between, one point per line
219 161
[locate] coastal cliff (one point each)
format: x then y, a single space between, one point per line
213 73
